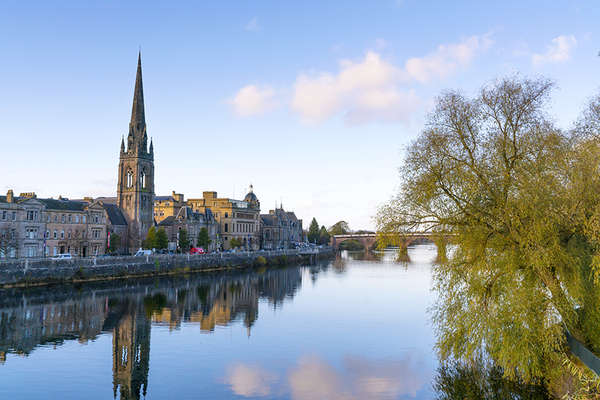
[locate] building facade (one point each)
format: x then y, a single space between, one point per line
280 229
237 219
192 222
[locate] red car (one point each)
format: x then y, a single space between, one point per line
197 250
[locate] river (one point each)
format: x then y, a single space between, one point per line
342 329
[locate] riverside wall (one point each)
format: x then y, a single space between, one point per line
35 272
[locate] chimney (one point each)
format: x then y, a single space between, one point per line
9 196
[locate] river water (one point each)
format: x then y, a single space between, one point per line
342 329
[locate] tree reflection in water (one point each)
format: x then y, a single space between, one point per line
462 381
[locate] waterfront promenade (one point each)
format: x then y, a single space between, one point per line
28 272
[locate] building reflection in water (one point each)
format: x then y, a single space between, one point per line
50 316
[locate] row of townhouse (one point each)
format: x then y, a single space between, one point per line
35 227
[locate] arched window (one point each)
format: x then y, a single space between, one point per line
143 179
129 179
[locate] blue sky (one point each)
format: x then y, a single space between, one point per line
312 102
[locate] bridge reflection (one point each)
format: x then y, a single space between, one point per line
127 310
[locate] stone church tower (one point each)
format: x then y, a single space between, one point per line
135 191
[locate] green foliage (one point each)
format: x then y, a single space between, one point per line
323 236
521 199
260 261
184 241
313 231
115 243
203 238
162 242
235 243
150 241
339 228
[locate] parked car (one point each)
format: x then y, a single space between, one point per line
65 256
142 252
197 250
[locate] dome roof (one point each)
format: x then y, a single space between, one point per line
251 197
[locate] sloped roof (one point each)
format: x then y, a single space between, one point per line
115 215
268 219
170 220
66 205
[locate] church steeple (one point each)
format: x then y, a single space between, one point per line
138 118
135 190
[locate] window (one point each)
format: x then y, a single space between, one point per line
77 219
129 179
47 235
14 215
225 227
55 217
55 235
143 179
96 218
70 218
62 234
83 219
62 218
69 234
226 216
30 215
4 214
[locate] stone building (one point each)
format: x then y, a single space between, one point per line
192 221
135 190
237 219
78 227
280 229
167 206
22 226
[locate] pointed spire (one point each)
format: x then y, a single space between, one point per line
138 119
122 144
151 147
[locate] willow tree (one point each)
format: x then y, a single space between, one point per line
521 199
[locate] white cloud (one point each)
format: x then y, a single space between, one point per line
370 89
363 91
446 59
253 100
252 25
250 381
558 51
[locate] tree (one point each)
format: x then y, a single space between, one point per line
115 243
184 241
235 243
323 235
313 231
203 238
150 241
162 241
339 228
520 199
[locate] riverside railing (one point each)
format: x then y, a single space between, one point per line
112 260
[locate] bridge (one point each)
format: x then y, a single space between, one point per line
369 240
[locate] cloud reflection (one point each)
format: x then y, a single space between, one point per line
314 378
250 380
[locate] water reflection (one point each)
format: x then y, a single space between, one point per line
315 378
356 329
38 317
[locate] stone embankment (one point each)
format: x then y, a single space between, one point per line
27 272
